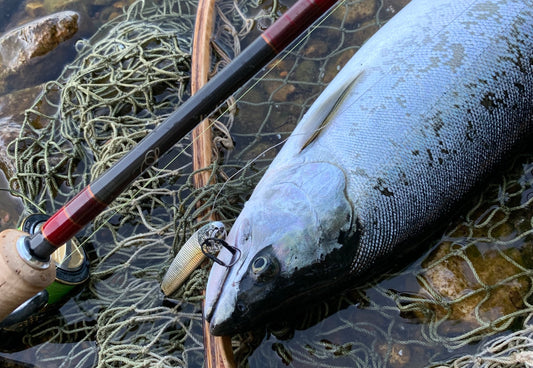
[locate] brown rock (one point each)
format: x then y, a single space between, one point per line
52 6
398 355
318 48
279 92
357 11
14 105
35 9
334 65
19 46
8 133
468 290
12 110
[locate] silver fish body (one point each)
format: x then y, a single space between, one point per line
423 112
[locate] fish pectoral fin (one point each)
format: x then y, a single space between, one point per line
325 111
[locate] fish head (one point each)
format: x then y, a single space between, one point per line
294 237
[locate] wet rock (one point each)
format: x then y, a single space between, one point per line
397 355
335 64
111 12
276 89
10 207
318 48
20 45
14 105
279 91
8 133
97 10
35 9
357 11
261 151
12 110
476 285
52 6
306 68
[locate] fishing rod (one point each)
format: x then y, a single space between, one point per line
25 258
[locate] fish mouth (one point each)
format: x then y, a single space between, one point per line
217 290
221 308
220 326
216 284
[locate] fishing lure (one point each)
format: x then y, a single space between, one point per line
191 255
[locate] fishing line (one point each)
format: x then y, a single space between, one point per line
246 165
272 66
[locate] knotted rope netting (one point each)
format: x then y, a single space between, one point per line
132 74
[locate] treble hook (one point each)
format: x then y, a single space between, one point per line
212 245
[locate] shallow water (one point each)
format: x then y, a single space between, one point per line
371 326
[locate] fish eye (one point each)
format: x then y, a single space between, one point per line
242 307
260 263
264 267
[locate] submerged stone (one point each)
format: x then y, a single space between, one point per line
397 355
14 105
8 133
20 45
357 11
57 5
476 286
12 110
10 207
35 9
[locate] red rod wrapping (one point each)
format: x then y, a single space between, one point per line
72 217
294 21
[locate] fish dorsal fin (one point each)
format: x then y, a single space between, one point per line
327 110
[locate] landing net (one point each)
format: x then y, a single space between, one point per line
465 303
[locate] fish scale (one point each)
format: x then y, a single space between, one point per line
429 120
429 107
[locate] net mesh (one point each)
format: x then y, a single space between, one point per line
465 303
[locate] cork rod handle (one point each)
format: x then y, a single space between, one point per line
19 279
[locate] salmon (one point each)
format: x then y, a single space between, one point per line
430 106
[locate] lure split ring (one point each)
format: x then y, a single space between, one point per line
211 246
